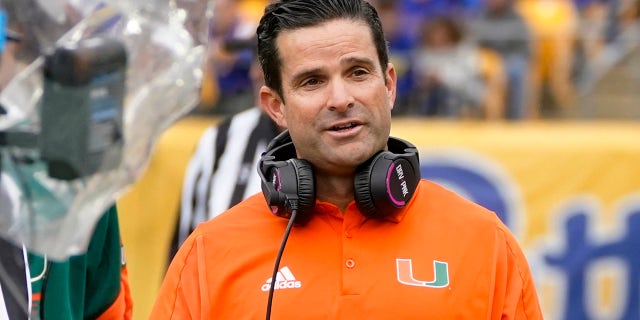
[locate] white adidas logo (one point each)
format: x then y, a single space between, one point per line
284 280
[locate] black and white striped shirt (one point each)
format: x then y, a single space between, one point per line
223 169
14 285
14 273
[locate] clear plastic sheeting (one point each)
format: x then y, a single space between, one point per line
99 82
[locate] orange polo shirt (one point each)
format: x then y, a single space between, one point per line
441 257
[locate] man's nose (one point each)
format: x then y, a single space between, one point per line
340 97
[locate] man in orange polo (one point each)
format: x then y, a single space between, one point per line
371 240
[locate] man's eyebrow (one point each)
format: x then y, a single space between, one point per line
358 61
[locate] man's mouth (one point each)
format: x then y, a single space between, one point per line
345 126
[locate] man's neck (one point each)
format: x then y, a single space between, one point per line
337 190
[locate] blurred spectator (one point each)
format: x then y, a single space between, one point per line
598 19
416 11
448 74
590 38
553 25
400 48
229 60
599 38
501 28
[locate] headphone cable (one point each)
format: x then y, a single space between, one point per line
294 212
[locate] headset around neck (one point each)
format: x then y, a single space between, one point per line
382 184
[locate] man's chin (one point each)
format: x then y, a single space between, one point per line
354 159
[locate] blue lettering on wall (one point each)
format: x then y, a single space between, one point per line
581 251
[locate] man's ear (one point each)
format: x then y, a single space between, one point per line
272 105
391 82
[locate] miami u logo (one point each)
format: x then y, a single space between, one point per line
404 270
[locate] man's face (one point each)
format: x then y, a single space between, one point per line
338 106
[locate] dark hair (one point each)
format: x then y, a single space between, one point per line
295 14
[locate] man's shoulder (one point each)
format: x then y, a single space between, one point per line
248 224
441 199
251 211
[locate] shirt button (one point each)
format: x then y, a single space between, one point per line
350 263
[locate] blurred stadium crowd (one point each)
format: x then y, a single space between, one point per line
460 59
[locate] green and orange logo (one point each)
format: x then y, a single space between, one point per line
404 270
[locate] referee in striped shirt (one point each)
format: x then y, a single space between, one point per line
222 171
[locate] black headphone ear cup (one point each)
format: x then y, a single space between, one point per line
306 189
385 183
362 187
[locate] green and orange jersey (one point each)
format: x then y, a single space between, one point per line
440 257
93 285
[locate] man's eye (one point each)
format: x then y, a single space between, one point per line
360 72
311 82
